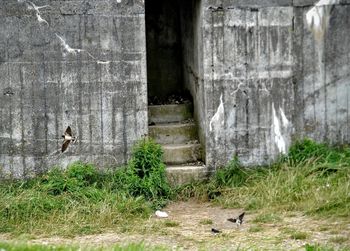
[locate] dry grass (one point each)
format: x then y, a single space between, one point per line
184 230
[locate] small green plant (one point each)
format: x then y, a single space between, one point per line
309 247
169 223
323 228
255 229
206 222
299 235
232 175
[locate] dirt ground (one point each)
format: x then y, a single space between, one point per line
189 225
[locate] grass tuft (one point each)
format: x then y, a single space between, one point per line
299 235
267 218
169 223
309 247
206 222
255 229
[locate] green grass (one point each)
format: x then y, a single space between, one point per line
36 209
169 223
206 222
312 178
297 235
255 229
81 200
31 247
267 218
310 247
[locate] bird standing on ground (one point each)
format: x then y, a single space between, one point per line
67 138
215 231
238 220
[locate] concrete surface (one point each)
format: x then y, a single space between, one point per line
169 113
262 73
179 175
174 133
177 154
70 63
274 71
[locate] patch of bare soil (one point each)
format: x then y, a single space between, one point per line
189 228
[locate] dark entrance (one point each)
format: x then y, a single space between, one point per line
169 35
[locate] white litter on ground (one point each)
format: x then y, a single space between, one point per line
161 214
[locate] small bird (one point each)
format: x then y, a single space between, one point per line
238 220
215 231
67 138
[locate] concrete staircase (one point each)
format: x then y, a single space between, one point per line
173 127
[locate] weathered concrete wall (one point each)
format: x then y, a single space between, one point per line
273 75
248 82
322 47
261 73
78 63
192 55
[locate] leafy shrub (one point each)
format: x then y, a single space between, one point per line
85 174
145 174
308 150
147 158
77 176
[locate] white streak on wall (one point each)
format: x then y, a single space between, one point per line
37 11
218 118
278 137
326 2
102 62
285 121
66 47
40 19
317 17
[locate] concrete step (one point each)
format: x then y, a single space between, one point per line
175 133
181 153
169 113
179 175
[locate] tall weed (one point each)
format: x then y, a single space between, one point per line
145 174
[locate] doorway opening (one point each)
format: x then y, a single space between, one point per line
175 114
170 35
